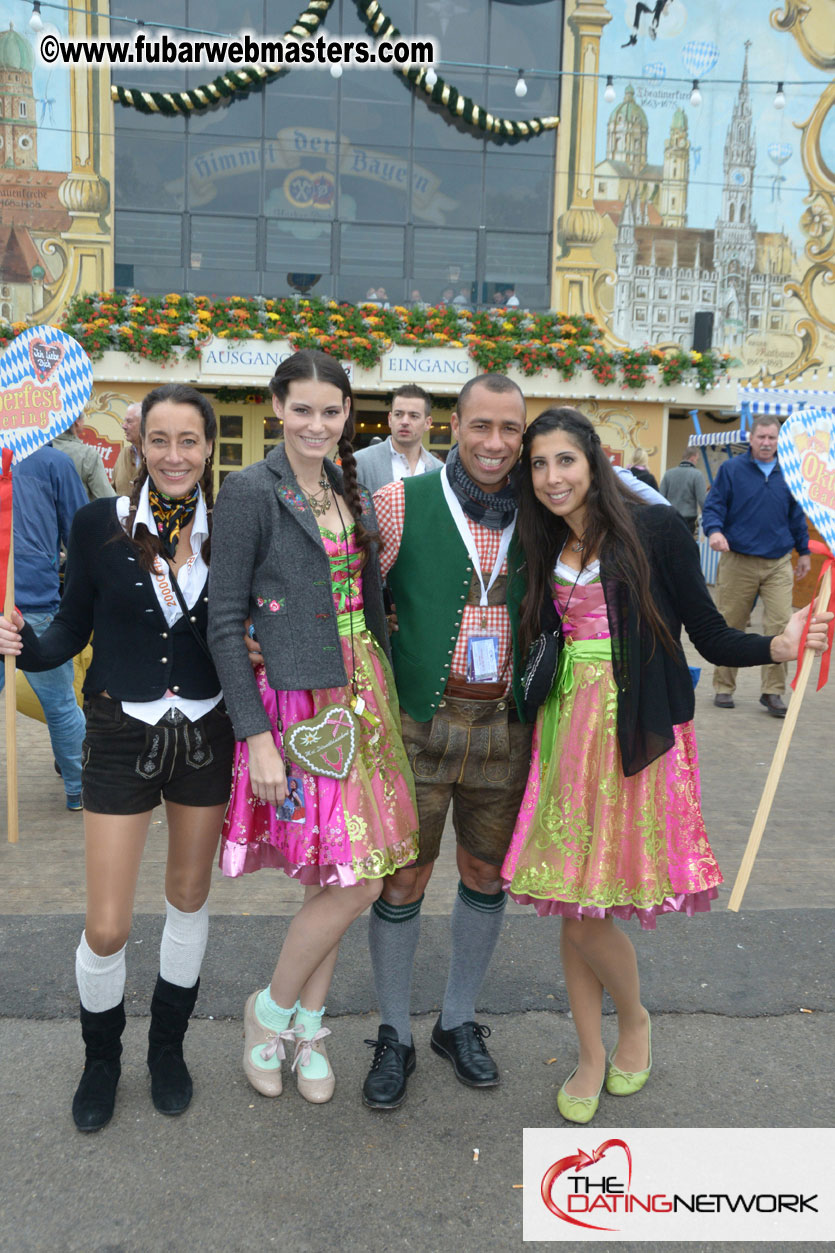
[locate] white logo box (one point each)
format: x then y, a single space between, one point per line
680 1184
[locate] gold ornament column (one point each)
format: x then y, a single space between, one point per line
578 226
87 245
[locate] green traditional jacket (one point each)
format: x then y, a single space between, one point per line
430 584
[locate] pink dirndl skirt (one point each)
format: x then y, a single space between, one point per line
332 831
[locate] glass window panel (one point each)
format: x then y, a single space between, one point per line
149 176
224 174
241 115
459 26
518 189
446 187
223 241
231 425
374 183
208 281
375 251
148 238
527 34
356 288
306 99
377 122
433 126
444 266
300 246
515 258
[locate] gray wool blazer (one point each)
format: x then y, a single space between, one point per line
374 466
269 563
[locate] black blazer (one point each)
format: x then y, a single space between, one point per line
137 656
655 688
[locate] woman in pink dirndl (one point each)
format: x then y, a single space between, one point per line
610 824
295 550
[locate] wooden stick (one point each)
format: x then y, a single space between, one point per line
777 762
11 710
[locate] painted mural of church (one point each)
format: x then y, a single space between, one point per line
668 270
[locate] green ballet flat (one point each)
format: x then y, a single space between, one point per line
577 1108
628 1082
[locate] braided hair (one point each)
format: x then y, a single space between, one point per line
309 363
146 543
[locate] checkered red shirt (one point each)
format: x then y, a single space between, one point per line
390 507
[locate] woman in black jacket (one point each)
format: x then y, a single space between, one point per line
610 825
137 573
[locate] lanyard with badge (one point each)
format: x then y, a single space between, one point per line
482 650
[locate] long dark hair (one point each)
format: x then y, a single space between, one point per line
147 544
309 363
609 528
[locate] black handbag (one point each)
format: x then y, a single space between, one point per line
543 659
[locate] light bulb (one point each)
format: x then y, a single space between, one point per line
431 77
336 71
695 94
780 98
521 88
609 95
36 21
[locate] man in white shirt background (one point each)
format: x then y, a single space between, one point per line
402 455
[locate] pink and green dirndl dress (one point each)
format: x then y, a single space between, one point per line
332 831
588 841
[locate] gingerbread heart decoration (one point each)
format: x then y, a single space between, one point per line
326 744
45 358
806 450
45 381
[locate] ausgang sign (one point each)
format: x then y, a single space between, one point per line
250 360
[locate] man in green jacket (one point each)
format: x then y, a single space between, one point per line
445 537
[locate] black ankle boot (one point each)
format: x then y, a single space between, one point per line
92 1106
171 1008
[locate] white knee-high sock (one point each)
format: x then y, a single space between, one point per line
101 980
184 940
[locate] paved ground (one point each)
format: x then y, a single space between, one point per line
732 1046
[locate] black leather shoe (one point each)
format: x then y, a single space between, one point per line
774 704
723 700
385 1083
464 1046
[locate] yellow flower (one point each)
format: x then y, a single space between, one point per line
204 315
161 330
507 326
257 334
172 298
695 357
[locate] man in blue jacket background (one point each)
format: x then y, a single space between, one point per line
752 519
47 494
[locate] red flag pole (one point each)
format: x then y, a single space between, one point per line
7 569
11 710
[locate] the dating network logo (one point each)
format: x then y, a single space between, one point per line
579 1193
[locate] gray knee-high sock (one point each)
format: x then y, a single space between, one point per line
476 925
393 933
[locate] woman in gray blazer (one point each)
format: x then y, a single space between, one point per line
295 551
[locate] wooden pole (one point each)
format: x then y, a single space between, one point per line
777 762
11 710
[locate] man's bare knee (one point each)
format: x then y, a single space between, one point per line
407 885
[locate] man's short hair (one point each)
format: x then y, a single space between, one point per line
493 383
411 391
764 419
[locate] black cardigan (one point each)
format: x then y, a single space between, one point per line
655 688
137 656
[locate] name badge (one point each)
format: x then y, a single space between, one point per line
483 659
